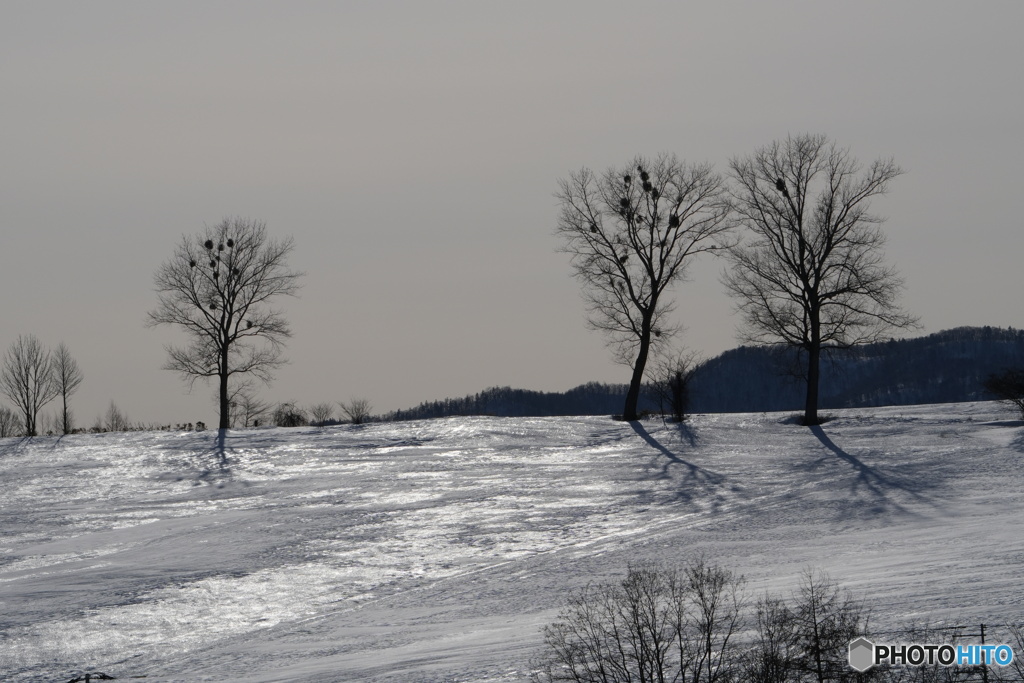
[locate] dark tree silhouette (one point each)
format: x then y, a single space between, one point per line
245 406
357 410
812 276
320 414
218 288
10 425
631 233
1007 386
68 376
673 377
115 420
27 379
290 415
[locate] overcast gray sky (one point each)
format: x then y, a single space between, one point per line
412 149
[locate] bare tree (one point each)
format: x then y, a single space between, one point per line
218 287
27 379
320 414
715 619
1007 386
812 276
115 420
10 425
245 406
673 375
288 414
68 376
357 410
825 619
775 651
631 233
656 625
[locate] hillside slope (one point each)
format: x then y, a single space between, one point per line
436 550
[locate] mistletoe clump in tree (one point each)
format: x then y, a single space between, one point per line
631 233
218 288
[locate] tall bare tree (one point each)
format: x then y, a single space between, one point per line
218 288
68 376
812 275
27 379
631 233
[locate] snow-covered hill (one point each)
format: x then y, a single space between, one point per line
436 550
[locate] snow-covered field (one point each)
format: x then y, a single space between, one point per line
437 550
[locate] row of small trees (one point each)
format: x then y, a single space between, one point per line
356 411
31 377
697 624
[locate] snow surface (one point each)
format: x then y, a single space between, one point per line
437 550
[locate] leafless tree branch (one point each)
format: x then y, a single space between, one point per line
631 233
27 379
812 274
217 287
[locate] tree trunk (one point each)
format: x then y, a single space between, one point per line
225 416
813 374
225 408
629 412
66 424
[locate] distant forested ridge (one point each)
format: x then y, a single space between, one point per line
945 367
592 398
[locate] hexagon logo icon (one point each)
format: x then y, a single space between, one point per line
862 654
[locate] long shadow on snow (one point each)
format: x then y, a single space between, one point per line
883 487
17 445
217 471
208 457
697 481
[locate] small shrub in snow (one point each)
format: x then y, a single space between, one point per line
357 410
290 415
321 414
1007 386
10 425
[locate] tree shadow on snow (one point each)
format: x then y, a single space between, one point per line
697 480
17 445
884 488
213 464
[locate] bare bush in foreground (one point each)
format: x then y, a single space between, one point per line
656 625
